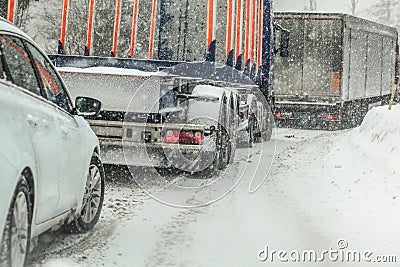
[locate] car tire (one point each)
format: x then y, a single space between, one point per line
92 200
16 235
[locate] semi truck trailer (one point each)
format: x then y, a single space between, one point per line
155 119
338 68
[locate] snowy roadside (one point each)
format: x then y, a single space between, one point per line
349 185
323 186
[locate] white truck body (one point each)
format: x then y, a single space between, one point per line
138 112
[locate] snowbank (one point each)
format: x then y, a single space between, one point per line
349 182
378 138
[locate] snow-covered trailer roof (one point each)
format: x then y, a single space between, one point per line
351 21
208 91
123 90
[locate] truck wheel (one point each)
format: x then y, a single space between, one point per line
224 150
216 164
210 170
267 132
251 132
257 136
17 232
231 153
92 199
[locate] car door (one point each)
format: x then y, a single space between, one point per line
72 159
40 123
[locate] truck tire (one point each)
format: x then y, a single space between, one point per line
257 136
224 148
251 132
17 232
211 169
219 159
232 151
267 132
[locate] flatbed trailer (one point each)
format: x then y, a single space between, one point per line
138 115
155 119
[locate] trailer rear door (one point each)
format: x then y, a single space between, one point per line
313 67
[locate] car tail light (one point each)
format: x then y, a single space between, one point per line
278 115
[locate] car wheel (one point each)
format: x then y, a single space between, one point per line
93 198
16 235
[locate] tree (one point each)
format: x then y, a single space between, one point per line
3 9
354 4
21 10
43 24
311 6
383 10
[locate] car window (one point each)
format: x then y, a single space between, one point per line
51 83
19 63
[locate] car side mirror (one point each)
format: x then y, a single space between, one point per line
86 106
284 46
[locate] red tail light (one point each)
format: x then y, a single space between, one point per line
330 117
278 115
184 137
172 136
198 137
333 117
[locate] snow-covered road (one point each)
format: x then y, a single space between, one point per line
323 187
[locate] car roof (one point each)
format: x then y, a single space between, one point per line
8 27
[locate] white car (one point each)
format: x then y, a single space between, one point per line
50 170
